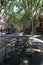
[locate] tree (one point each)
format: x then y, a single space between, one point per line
25 9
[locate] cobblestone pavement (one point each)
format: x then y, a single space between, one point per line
37 59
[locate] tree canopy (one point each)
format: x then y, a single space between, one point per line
21 11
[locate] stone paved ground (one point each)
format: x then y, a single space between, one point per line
34 59
37 59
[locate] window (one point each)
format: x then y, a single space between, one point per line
40 24
40 19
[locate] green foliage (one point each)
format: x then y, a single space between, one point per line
25 9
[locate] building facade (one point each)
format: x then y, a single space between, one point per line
3 24
38 28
